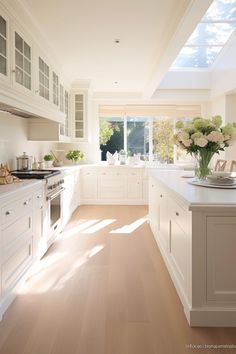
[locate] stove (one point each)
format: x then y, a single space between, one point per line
35 174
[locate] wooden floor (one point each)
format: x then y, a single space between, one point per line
102 288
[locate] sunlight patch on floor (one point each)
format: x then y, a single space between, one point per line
82 225
128 229
100 225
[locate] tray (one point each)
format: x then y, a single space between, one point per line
208 184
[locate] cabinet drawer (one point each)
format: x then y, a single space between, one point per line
89 172
15 265
179 214
16 230
14 210
135 174
38 199
112 173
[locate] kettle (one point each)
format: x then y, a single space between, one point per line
24 162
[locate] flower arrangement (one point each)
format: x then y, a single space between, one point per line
75 156
202 138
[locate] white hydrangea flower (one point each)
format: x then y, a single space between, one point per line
201 142
183 136
216 137
187 142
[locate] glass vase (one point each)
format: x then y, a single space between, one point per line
202 169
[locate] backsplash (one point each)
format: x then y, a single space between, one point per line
13 140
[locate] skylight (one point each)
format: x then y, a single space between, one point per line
209 37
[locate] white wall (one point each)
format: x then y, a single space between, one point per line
13 141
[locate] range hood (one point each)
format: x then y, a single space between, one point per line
16 111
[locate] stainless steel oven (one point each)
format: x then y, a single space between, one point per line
54 198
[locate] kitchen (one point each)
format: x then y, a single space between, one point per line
106 282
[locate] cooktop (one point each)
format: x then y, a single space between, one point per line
35 174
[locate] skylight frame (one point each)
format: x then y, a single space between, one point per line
221 44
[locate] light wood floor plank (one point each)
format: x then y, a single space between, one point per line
103 288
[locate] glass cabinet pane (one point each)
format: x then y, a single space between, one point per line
19 59
3 46
18 42
3 65
43 79
27 51
3 27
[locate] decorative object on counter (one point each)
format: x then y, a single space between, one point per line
202 138
5 175
122 157
24 162
35 165
75 156
134 160
48 160
112 158
58 162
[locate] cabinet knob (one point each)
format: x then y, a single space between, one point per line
26 202
161 195
8 212
152 185
177 214
39 196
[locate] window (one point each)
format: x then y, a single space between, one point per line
3 46
209 37
43 79
22 62
151 136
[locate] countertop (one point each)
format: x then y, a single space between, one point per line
9 189
194 196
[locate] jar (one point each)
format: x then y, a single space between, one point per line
24 162
122 157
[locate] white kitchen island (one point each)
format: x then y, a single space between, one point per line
195 229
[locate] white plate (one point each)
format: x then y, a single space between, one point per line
207 184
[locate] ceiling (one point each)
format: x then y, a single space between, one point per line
82 34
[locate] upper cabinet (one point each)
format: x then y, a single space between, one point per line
25 70
44 79
4 40
22 62
79 109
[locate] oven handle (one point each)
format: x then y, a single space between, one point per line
50 197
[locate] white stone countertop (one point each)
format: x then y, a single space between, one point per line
194 196
9 189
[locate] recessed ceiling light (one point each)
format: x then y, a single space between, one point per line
117 40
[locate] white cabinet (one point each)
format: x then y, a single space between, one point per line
4 46
112 184
25 76
89 185
39 236
221 260
20 230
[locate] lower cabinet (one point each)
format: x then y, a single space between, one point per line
198 246
21 232
113 185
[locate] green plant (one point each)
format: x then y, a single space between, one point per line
48 157
75 155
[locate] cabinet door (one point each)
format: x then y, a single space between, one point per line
134 186
153 206
44 79
112 185
164 222
4 46
79 103
39 238
22 62
89 189
221 260
178 253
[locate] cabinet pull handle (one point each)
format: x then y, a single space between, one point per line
152 185
8 212
177 214
161 195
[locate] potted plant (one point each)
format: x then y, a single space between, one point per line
75 156
48 158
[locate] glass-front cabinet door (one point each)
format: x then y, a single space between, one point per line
23 62
79 115
44 80
3 46
55 80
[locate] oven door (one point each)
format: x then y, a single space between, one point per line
54 201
